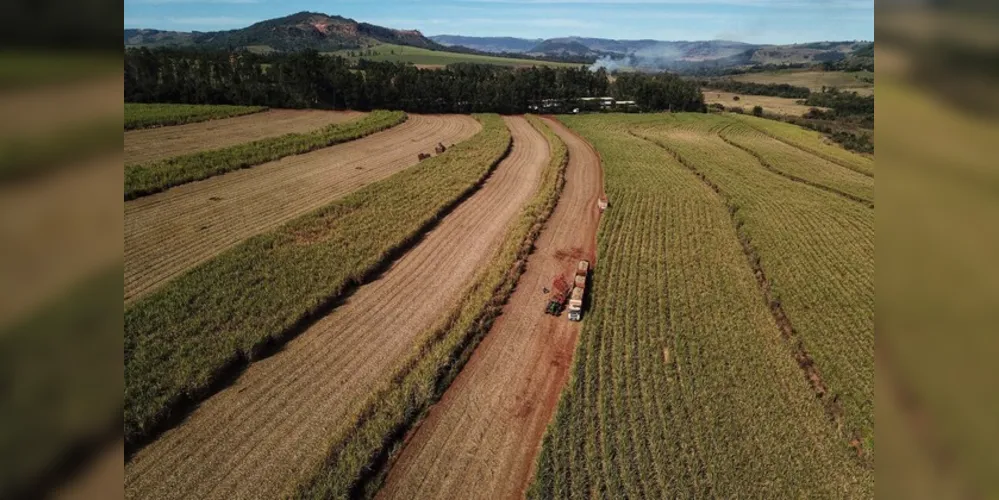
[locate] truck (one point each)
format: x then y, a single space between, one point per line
578 291
560 290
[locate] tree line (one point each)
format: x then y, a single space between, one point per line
307 79
768 89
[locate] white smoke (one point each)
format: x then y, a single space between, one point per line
610 64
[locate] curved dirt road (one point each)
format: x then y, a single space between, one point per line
255 437
481 439
165 142
169 232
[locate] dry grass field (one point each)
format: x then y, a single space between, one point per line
778 105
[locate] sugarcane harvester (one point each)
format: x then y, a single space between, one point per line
560 291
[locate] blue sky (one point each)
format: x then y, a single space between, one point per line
756 21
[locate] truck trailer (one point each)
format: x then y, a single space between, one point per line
578 291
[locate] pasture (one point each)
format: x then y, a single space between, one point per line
435 58
777 105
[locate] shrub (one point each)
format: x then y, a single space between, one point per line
757 110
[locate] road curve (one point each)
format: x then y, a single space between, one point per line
165 142
254 438
481 439
170 232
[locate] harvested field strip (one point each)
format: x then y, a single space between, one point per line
682 385
864 186
143 146
481 439
276 423
818 252
149 178
263 290
810 142
141 115
170 232
356 462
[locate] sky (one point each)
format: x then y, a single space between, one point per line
753 21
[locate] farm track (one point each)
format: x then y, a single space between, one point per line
169 232
160 143
57 229
256 437
481 439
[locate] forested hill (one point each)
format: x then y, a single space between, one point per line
305 30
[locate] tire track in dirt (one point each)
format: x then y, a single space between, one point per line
170 232
481 439
166 142
256 437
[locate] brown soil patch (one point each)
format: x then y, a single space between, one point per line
481 439
256 437
169 232
166 142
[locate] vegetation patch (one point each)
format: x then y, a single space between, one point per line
182 340
387 52
153 177
139 115
357 459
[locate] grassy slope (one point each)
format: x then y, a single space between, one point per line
442 351
182 338
416 55
682 385
156 176
140 115
816 248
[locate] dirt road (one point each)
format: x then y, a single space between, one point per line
255 437
166 142
169 232
481 439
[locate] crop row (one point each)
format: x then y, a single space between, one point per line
682 385
357 456
817 250
153 177
139 115
180 340
811 142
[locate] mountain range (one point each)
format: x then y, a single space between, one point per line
311 30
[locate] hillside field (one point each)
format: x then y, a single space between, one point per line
435 59
861 82
770 104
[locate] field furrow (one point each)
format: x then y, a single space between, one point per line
720 407
153 144
481 439
258 437
170 232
